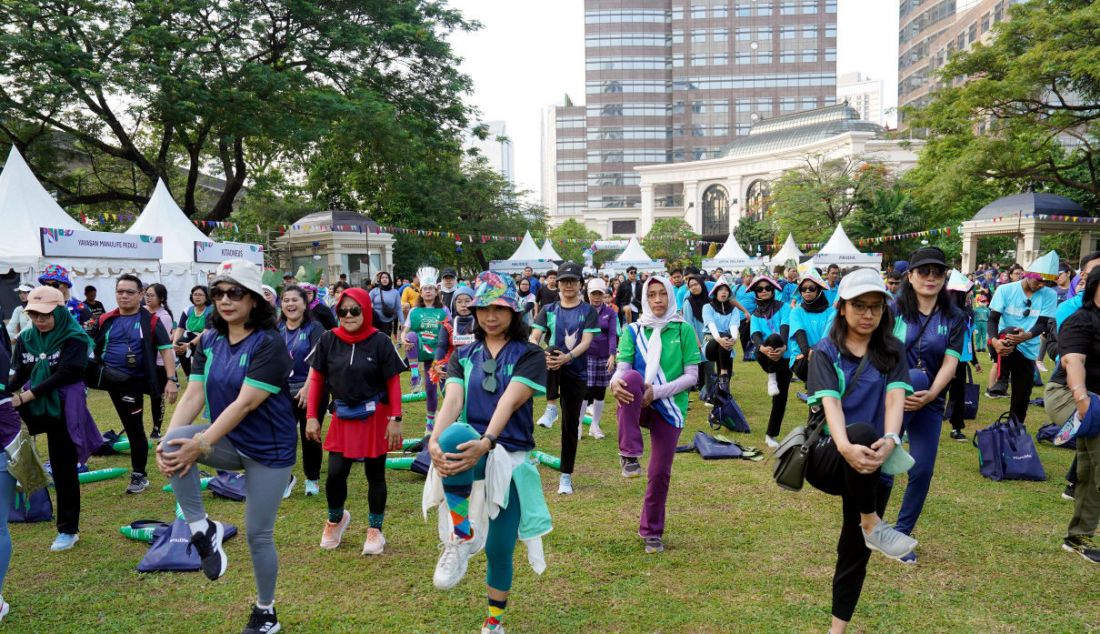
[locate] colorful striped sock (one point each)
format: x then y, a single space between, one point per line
415 367
429 421
375 520
496 615
458 500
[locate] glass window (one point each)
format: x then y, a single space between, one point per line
720 60
716 210
764 57
744 35
719 11
809 7
698 12
764 33
742 58
720 35
698 36
809 32
758 199
786 57
719 106
788 7
698 60
830 30
677 37
744 105
763 7
678 13
830 55
809 55
788 33
787 104
830 6
624 227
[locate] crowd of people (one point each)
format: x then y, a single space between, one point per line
879 356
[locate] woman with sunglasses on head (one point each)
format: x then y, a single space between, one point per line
770 331
480 467
658 363
858 379
321 313
722 323
300 334
47 387
932 331
192 323
810 319
358 365
156 302
239 376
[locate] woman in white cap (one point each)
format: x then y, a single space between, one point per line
858 379
239 376
600 354
19 321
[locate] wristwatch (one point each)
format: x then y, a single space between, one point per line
894 437
492 441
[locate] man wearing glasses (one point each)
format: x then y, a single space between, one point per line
1019 314
57 276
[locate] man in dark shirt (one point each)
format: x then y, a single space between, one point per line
629 297
548 293
93 304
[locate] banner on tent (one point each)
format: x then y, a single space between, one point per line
100 244
218 252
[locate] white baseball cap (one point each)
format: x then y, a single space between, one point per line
596 285
862 281
241 272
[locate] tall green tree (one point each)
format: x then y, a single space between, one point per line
578 238
128 92
810 201
671 240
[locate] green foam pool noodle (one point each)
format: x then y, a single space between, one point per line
102 474
179 511
122 445
587 420
409 443
544 458
138 534
203 483
414 397
403 464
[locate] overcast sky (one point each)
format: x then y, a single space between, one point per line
529 53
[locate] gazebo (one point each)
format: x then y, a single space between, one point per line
1028 217
337 242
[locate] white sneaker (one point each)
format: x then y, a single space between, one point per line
548 417
454 557
565 484
290 486
376 541
773 385
4 610
595 431
771 442
312 488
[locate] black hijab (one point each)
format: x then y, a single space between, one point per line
722 308
698 301
818 304
765 310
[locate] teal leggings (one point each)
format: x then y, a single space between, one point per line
500 545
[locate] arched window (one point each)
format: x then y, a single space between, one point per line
758 199
716 211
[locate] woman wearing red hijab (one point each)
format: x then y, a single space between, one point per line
359 367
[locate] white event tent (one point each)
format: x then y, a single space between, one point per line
731 256
26 208
839 250
527 255
548 252
634 255
789 251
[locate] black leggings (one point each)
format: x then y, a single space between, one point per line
63 459
156 401
830 473
1021 374
719 355
956 393
129 401
595 393
311 449
336 486
572 392
743 335
782 371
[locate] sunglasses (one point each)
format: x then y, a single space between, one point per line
489 382
1027 308
762 289
931 270
234 293
53 284
349 311
806 289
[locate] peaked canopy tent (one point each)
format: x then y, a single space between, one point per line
634 255
527 255
548 252
788 252
32 222
839 250
731 256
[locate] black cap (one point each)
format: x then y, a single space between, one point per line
569 271
448 272
287 274
927 255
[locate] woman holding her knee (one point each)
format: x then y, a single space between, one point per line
658 364
933 330
722 323
857 375
358 365
770 330
811 319
239 375
483 461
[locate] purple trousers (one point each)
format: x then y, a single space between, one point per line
663 438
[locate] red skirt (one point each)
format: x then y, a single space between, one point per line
359 438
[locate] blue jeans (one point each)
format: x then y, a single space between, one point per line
924 427
7 494
500 545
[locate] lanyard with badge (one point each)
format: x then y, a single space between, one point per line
920 338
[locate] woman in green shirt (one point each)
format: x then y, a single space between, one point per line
422 328
191 324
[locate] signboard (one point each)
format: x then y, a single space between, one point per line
218 252
517 266
100 244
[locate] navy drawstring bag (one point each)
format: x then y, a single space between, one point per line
171 549
228 485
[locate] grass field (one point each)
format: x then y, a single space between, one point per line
742 554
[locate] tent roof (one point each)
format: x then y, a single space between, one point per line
548 252
1030 203
839 243
789 251
527 249
25 207
163 217
731 251
634 253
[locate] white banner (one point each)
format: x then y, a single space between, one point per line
100 244
218 252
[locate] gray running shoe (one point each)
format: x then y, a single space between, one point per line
631 468
889 541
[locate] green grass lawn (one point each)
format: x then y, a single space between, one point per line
742 554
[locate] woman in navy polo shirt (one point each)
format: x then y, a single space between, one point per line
300 334
932 329
490 385
240 375
858 379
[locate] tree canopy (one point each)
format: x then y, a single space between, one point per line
573 251
671 240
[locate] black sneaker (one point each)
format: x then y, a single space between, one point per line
1069 491
138 483
1082 545
262 622
156 434
956 434
209 545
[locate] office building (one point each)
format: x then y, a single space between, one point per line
496 147
563 184
863 94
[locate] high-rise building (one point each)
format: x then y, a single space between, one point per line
496 147
563 162
863 94
676 80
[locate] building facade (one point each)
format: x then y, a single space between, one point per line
673 81
863 94
496 147
564 184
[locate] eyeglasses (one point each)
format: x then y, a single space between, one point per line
931 270
860 308
234 293
126 291
489 382
37 315
349 311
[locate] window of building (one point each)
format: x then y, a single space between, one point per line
809 55
809 103
570 187
830 55
809 32
677 13
764 34
698 12
698 60
743 105
758 199
763 7
719 11
719 106
720 35
620 16
830 30
788 7
698 36
788 33
624 227
743 10
744 35
830 6
677 37
787 104
716 210
787 57
764 57
985 23
570 144
742 58
972 33
809 7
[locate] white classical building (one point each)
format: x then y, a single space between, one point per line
718 192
